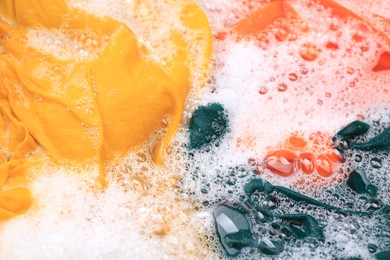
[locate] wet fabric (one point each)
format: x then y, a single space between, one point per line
79 110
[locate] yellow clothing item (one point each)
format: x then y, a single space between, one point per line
78 110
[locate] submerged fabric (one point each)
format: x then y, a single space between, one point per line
77 110
93 110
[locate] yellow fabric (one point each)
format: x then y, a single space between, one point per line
77 110
15 145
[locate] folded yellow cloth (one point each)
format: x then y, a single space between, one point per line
81 110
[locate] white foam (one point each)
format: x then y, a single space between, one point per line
69 221
73 219
85 46
153 212
323 99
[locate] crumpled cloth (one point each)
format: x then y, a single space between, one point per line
81 110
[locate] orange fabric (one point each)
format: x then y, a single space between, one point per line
79 110
306 162
260 19
281 162
297 141
340 9
16 144
296 154
343 11
14 202
383 62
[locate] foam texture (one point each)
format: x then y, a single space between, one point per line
268 91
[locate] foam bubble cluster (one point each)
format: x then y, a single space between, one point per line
86 46
320 80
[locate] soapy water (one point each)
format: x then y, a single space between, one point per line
353 235
269 89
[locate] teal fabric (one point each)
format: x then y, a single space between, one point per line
378 143
208 124
359 182
353 129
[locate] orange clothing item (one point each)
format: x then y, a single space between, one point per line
78 110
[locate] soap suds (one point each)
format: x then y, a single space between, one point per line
268 91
